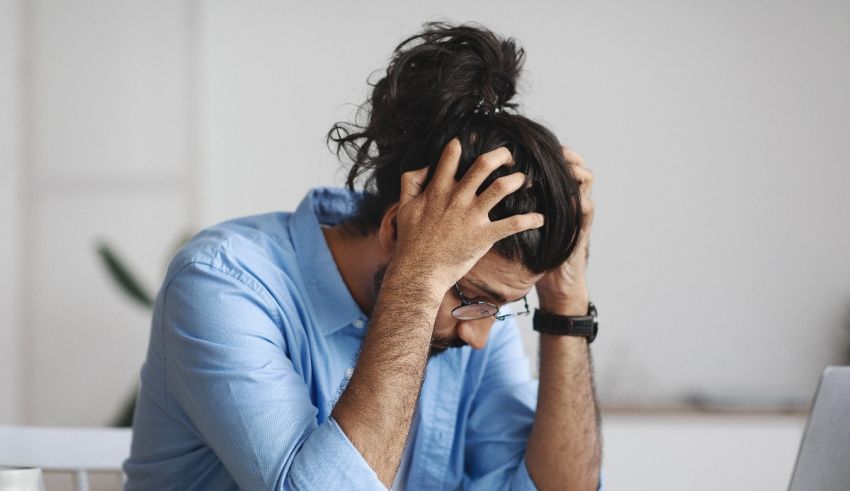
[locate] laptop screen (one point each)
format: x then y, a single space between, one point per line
823 462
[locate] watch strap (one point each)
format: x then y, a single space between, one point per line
574 325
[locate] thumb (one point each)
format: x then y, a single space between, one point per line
412 184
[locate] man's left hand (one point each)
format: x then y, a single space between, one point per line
564 290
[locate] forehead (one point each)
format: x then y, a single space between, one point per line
498 278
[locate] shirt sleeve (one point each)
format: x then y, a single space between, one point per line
501 418
227 369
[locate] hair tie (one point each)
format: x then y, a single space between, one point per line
485 107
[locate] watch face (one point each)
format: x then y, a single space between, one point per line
591 311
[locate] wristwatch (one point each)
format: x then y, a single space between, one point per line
568 325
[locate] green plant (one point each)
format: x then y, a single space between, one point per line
122 276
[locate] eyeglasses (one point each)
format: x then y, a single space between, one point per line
470 310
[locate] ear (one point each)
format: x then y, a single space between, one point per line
388 231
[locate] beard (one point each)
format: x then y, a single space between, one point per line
438 344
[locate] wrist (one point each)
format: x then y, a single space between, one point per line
571 305
410 279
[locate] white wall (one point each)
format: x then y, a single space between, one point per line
719 133
108 159
700 452
10 209
721 138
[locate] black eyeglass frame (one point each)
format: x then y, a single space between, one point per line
464 302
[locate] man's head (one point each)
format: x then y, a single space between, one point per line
458 81
494 280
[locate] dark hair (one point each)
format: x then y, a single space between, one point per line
433 85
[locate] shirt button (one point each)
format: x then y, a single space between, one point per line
358 324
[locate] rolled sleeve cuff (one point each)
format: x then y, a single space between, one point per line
328 460
522 480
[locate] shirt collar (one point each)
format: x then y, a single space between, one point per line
330 300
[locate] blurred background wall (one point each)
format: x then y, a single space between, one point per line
10 209
719 133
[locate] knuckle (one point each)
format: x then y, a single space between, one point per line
573 157
500 186
484 162
511 183
409 185
494 159
518 221
452 200
582 174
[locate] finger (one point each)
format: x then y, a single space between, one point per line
515 224
582 249
584 176
571 156
444 174
498 189
411 184
483 166
588 208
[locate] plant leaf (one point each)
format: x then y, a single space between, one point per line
123 277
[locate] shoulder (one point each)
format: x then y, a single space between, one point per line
252 243
256 251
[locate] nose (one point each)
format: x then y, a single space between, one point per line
475 333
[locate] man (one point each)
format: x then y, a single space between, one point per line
295 351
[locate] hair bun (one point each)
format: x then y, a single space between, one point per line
445 71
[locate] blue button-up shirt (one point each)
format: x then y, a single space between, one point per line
254 337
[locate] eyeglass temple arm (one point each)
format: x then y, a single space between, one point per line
463 299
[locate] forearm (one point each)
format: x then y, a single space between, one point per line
376 409
564 448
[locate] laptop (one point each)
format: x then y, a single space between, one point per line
823 462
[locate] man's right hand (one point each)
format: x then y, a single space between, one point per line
444 229
441 232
